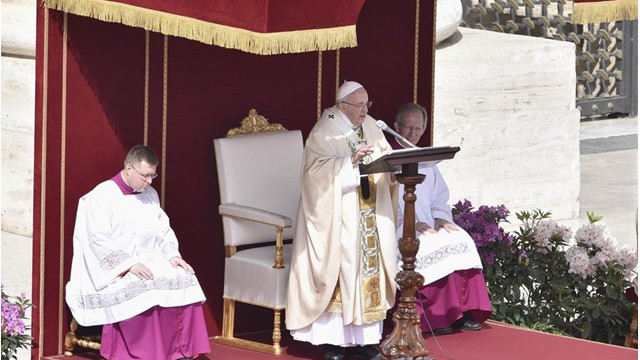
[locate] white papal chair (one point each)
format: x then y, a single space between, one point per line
259 176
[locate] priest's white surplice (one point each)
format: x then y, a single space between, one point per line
114 231
443 252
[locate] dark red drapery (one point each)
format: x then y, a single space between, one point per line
263 27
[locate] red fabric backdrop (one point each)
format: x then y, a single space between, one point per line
261 15
90 110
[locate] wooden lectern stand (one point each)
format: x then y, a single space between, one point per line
406 341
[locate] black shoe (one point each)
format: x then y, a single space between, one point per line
442 330
471 325
332 352
369 352
465 323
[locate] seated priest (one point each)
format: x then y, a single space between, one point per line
341 281
455 293
127 273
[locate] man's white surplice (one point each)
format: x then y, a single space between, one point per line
443 252
113 232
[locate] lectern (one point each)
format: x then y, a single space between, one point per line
406 341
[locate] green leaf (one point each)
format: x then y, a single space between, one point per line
586 330
540 276
593 218
611 291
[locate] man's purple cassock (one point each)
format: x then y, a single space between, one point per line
162 333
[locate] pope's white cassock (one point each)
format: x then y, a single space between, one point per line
344 252
443 252
113 232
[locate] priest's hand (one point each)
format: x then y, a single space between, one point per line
141 271
423 227
177 261
444 224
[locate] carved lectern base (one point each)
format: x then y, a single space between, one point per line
406 341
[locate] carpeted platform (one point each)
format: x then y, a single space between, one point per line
496 341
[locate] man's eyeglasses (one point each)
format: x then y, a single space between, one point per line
360 106
411 128
144 176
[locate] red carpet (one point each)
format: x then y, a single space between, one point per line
496 341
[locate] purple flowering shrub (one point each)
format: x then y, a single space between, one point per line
483 225
543 276
13 327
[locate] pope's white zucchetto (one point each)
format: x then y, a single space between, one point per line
347 88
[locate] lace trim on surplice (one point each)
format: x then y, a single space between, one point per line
113 259
441 254
136 288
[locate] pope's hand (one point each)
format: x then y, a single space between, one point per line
141 271
361 153
177 261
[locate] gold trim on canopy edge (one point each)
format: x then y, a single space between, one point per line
284 42
604 11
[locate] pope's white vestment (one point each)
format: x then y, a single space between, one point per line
341 241
113 232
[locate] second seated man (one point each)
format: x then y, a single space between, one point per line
455 293
343 266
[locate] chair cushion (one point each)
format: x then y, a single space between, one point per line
249 277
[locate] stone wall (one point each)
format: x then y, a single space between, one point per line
18 107
18 116
508 101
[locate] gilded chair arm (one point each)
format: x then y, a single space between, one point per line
254 214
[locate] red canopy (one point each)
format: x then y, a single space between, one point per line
257 26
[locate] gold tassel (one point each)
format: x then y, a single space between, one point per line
605 11
210 33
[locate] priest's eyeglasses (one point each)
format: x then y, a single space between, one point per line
144 176
411 128
360 106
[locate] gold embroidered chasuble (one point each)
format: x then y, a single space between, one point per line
344 250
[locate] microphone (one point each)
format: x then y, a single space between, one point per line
383 126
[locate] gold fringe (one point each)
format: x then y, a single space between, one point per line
210 33
606 11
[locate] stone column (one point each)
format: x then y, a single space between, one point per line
18 108
508 101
